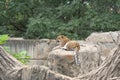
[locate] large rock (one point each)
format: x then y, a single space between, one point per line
105 40
104 37
63 61
41 73
89 56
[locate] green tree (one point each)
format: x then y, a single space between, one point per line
49 18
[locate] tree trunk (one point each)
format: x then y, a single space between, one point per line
108 70
12 69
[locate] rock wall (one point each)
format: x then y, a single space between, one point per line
37 49
93 51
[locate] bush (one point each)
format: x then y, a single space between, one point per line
21 56
3 39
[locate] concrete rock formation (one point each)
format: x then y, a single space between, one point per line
60 65
103 37
105 40
93 51
63 61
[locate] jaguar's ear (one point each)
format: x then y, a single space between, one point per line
62 36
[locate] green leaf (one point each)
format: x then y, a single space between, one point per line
3 39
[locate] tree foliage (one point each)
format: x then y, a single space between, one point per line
49 18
